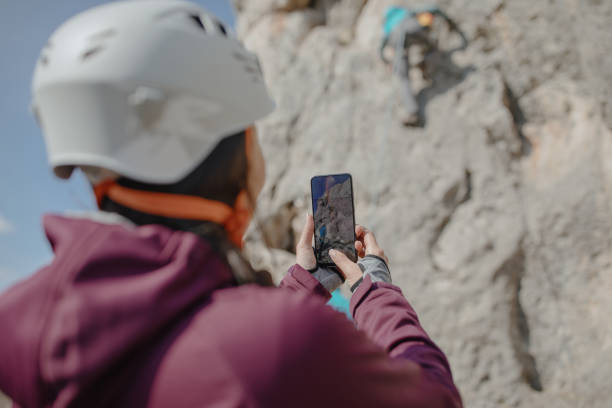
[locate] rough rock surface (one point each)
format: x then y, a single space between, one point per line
496 214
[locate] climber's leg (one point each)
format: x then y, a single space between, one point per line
427 58
410 113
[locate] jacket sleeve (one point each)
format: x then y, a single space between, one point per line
300 280
383 313
387 360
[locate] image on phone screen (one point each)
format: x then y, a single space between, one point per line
334 216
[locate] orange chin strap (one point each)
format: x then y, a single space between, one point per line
235 220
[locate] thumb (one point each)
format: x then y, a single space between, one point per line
307 233
340 259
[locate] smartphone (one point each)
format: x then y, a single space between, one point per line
334 217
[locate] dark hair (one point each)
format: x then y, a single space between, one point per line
220 177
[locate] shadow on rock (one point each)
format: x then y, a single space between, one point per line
443 74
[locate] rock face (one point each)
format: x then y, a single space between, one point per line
496 215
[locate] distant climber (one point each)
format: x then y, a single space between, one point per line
403 28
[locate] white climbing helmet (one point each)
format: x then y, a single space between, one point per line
145 89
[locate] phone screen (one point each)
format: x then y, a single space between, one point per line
334 216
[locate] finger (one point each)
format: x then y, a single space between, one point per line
372 247
360 248
360 231
307 233
359 244
370 240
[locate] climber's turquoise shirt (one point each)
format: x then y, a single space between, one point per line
393 16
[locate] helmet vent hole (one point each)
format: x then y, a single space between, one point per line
102 35
91 52
222 29
198 21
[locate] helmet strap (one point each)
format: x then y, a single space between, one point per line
234 220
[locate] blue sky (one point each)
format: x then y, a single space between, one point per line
27 187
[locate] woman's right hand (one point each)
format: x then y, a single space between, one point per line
365 245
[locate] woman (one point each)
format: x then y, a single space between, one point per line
149 302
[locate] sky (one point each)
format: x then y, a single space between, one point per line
28 188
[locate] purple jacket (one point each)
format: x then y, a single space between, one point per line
148 316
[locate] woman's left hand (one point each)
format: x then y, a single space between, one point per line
304 254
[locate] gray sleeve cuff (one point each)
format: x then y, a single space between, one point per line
376 268
328 278
356 285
